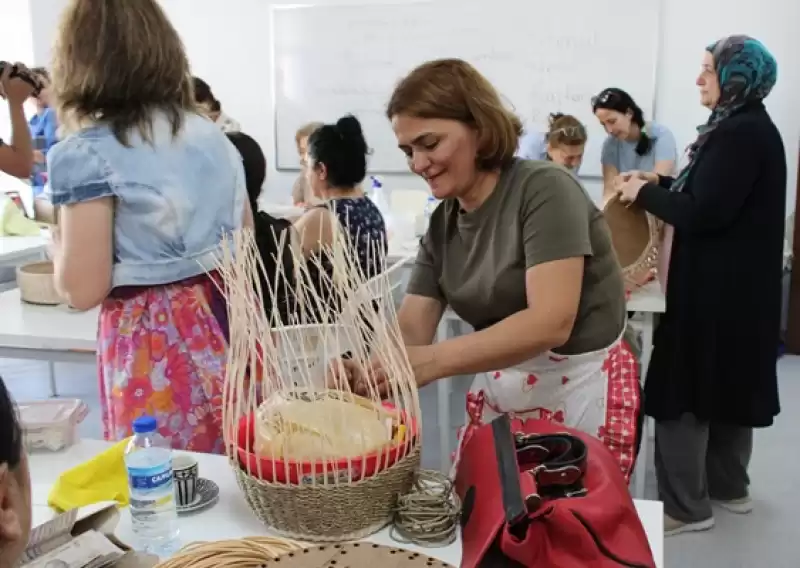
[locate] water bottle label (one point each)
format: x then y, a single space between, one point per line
151 478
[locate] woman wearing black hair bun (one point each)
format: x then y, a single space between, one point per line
15 485
337 164
632 144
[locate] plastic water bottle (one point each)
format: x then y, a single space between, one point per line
423 219
148 459
430 207
378 196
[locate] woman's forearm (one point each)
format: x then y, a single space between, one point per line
510 342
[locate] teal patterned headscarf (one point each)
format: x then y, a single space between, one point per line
747 72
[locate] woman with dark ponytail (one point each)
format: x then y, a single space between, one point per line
336 166
632 144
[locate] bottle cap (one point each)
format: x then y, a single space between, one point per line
144 425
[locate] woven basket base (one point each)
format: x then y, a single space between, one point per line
355 555
333 513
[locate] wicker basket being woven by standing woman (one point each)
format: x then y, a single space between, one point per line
635 236
317 451
37 284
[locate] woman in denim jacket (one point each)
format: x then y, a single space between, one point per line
145 188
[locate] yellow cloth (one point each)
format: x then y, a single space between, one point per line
102 478
13 222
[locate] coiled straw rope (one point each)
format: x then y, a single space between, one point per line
249 552
428 515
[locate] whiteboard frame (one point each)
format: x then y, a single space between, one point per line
659 5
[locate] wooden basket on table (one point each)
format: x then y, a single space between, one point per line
315 461
37 285
635 236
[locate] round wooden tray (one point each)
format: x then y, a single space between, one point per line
354 555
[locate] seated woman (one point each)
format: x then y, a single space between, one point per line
518 250
301 192
632 144
563 143
15 485
337 164
145 189
273 236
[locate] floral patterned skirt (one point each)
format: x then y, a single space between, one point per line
162 352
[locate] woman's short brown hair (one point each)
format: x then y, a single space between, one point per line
118 61
306 130
566 130
452 89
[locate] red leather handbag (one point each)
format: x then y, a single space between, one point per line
554 497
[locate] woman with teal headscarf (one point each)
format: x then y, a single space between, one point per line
713 372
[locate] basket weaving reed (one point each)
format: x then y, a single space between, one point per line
635 237
315 460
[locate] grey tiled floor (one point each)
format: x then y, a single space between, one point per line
768 537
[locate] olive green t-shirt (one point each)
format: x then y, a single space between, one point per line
476 261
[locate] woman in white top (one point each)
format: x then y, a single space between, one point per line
563 143
632 144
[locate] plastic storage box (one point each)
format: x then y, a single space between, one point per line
51 424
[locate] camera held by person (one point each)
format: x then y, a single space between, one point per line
17 84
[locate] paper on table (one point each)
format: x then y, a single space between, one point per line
88 550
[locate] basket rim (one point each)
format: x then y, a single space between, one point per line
653 229
26 268
413 454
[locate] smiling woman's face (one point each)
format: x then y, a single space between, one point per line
442 152
615 123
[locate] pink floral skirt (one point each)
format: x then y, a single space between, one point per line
162 352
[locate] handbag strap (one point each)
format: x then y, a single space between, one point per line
508 471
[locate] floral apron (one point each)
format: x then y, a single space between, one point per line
596 392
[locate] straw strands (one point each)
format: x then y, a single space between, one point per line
244 553
327 397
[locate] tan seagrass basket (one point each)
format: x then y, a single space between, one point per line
321 416
37 285
330 513
635 236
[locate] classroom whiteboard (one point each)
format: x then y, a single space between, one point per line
542 56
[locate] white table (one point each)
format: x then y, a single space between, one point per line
16 249
46 333
57 334
231 518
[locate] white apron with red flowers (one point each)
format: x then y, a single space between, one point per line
596 392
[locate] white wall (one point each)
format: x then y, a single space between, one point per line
229 46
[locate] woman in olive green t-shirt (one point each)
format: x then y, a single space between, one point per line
519 251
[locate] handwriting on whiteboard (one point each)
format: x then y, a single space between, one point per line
334 59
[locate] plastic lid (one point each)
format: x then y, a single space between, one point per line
144 424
